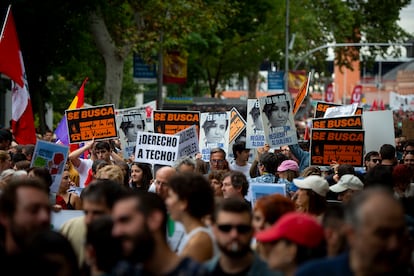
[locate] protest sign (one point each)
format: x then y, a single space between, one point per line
342 146
278 122
300 97
171 122
259 190
255 137
321 108
57 219
53 157
130 121
379 129
340 111
214 132
237 124
347 122
154 148
188 142
96 122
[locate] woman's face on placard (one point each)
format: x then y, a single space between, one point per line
216 133
279 114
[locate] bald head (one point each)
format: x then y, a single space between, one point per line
162 176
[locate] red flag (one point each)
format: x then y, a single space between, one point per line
356 94
374 106
329 94
382 107
11 64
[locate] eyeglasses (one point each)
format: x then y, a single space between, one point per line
241 228
376 160
409 151
217 161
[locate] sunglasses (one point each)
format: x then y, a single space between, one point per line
241 228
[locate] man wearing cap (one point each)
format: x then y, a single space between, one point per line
233 232
347 185
377 236
294 239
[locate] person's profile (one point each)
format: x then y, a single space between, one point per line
257 120
215 127
131 125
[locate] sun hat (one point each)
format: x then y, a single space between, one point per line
288 165
300 228
347 181
316 183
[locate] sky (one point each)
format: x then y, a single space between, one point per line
407 18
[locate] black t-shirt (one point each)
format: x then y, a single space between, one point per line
218 271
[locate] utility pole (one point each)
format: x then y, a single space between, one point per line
287 48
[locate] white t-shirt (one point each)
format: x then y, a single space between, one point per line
244 169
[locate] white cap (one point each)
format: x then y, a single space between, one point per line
315 183
347 181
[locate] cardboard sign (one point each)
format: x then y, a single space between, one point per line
214 132
278 122
321 107
237 124
303 91
348 122
171 122
53 157
188 142
156 148
96 122
379 129
255 137
342 146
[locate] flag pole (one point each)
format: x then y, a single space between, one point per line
5 20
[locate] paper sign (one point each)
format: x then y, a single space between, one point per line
214 132
340 111
171 122
188 142
322 106
303 91
263 189
379 129
278 122
342 146
53 157
348 122
156 148
96 122
237 124
255 137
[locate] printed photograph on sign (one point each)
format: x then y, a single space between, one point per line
277 119
255 137
214 132
340 111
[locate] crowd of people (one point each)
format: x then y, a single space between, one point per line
201 218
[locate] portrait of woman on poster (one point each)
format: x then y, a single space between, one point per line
131 129
277 113
257 120
215 128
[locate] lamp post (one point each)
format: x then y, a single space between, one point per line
287 47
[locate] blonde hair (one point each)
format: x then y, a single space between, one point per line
4 155
112 172
73 174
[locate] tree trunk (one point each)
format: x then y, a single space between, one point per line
252 78
113 80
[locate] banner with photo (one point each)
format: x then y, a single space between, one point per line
255 137
277 119
214 132
53 157
130 121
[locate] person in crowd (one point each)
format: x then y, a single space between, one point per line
241 158
254 169
377 235
371 159
215 127
287 171
201 166
28 151
293 240
333 225
22 165
285 150
44 174
102 250
48 136
409 160
408 147
235 184
402 176
140 222
388 155
346 187
233 232
190 199
311 196
301 155
160 184
97 200
185 164
113 172
24 211
267 165
141 176
218 160
311 170
5 161
65 199
6 139
380 175
96 166
216 182
126 172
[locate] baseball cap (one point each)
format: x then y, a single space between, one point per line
316 183
300 228
288 165
347 181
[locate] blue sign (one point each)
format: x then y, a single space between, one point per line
143 72
275 80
